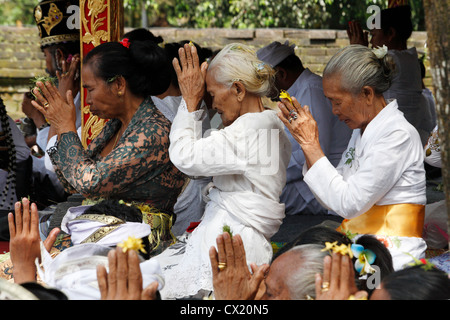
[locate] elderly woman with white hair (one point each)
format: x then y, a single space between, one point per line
247 160
379 185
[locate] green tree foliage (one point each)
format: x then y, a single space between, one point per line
242 14
17 12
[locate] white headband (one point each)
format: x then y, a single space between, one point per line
100 229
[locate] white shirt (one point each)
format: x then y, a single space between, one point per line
233 155
383 166
334 136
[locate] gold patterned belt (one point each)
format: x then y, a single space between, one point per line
402 220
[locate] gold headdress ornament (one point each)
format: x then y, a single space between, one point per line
51 19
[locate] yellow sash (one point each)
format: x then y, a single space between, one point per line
402 220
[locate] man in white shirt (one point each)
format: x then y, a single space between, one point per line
334 135
61 47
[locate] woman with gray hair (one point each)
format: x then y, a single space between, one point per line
247 161
379 185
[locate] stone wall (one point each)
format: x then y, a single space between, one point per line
21 58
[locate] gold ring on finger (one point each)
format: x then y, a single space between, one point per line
46 105
325 286
222 265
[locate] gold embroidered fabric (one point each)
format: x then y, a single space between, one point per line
111 224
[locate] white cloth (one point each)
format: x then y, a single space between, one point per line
74 270
248 161
406 88
381 167
190 205
334 136
79 230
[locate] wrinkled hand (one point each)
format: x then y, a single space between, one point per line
235 282
356 35
59 111
124 280
25 240
191 76
339 277
69 77
303 128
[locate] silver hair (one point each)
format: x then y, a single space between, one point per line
238 62
358 66
301 283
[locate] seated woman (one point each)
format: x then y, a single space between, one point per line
129 159
247 159
379 184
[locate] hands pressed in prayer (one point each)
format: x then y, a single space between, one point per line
69 77
232 279
338 280
356 34
25 240
124 280
59 111
191 76
303 128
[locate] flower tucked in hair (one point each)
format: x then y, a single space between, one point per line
380 52
285 95
343 249
126 42
364 258
133 244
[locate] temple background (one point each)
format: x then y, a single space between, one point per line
21 58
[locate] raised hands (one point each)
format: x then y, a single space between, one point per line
232 279
303 128
191 76
59 111
124 280
338 280
69 77
356 35
25 240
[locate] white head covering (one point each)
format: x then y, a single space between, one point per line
115 230
74 270
275 52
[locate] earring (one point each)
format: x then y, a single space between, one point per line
119 93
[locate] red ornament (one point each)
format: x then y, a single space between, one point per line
125 42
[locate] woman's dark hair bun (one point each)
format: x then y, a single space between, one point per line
144 65
152 67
